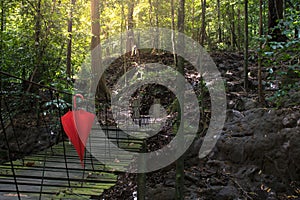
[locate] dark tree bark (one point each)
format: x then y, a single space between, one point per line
123 23
150 13
2 27
130 25
193 19
179 188
275 14
35 76
1 39
219 22
203 4
173 33
297 35
156 31
259 76
232 24
239 34
246 45
69 48
96 55
156 40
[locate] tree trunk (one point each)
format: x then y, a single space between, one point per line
156 33
246 45
2 42
2 30
35 76
297 35
179 188
69 48
123 21
96 55
233 41
275 14
219 22
203 4
130 25
260 89
150 13
173 33
193 20
122 28
239 32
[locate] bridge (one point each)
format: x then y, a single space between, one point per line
37 159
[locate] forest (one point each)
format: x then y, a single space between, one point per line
219 77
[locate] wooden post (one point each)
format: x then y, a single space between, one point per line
141 177
246 46
136 111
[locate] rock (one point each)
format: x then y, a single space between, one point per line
272 196
292 99
193 151
266 138
290 120
233 115
189 176
228 192
249 103
169 182
239 105
230 104
161 193
222 66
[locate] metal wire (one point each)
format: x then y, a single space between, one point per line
9 152
62 154
63 140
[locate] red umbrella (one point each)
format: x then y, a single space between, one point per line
77 124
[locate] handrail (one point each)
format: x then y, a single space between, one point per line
37 84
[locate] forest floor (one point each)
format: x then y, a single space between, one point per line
257 155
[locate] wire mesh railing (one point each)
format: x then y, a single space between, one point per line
36 159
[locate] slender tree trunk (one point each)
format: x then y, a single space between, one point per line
69 48
179 188
275 14
150 13
203 4
95 16
156 33
2 16
2 31
35 76
130 25
2 43
38 24
239 32
122 43
96 55
173 33
233 42
297 35
246 45
219 21
193 19
122 27
260 88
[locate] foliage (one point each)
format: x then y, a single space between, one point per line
19 51
282 59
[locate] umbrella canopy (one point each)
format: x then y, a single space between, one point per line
77 125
